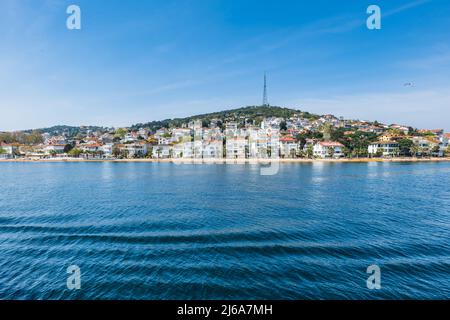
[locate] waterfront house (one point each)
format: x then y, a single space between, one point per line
273 142
328 149
257 143
8 150
90 147
309 144
162 151
137 149
188 150
181 150
107 149
197 150
428 145
212 149
236 148
54 148
288 147
384 148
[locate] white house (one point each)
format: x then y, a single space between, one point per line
129 137
183 150
385 148
8 150
162 151
195 124
107 149
139 149
212 134
57 148
328 149
180 134
236 148
143 133
55 140
231 127
212 150
288 147
90 147
428 145
178 150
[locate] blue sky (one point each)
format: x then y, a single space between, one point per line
137 61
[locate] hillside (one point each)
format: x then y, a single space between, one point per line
69 131
256 113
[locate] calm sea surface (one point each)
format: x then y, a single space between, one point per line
166 231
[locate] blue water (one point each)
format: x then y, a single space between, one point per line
166 231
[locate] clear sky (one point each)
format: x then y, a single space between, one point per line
135 61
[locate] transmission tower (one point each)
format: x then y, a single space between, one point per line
265 101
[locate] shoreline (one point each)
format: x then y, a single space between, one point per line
229 161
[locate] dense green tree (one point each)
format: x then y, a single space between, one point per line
67 148
33 138
116 151
301 140
405 146
206 123
414 150
75 152
310 151
256 113
330 152
121 132
435 150
447 152
327 131
346 152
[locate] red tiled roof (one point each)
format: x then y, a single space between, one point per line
287 139
331 144
431 130
384 142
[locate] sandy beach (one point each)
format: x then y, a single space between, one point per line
234 161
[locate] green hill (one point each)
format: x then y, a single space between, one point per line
251 113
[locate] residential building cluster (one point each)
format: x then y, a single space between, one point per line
273 137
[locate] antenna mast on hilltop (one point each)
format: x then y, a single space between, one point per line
265 102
